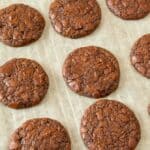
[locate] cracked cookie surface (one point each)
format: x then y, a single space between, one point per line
140 55
20 25
23 83
110 125
91 71
40 134
75 18
129 9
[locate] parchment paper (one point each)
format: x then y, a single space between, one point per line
61 103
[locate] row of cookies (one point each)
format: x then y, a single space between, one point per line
21 24
89 71
105 125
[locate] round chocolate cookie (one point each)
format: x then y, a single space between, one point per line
75 18
110 125
91 71
129 9
20 25
23 83
140 55
40 134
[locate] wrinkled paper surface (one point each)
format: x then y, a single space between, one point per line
61 103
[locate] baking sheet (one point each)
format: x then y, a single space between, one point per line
61 103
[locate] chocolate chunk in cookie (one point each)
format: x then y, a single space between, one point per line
20 25
140 55
75 18
91 71
23 83
40 134
110 125
129 9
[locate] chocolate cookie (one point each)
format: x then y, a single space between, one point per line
23 83
20 25
40 134
75 18
129 9
91 71
110 125
140 55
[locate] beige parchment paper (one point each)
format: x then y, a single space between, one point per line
61 103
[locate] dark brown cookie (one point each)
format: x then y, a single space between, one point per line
75 18
23 83
91 71
140 55
129 9
20 25
40 134
110 125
